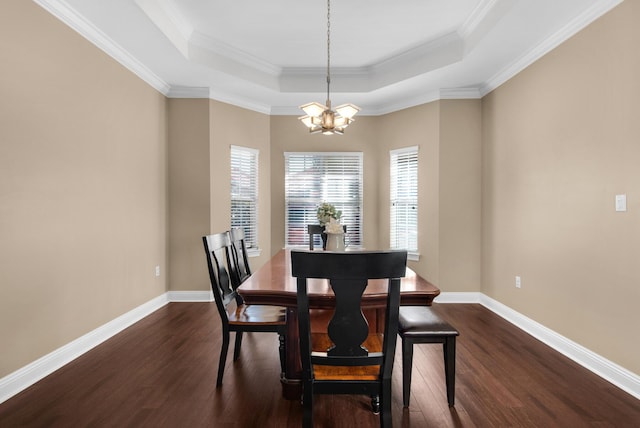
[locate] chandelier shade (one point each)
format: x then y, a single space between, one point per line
319 117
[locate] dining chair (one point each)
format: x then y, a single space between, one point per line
346 358
316 229
419 324
235 315
242 269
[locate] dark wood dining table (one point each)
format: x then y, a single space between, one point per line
273 284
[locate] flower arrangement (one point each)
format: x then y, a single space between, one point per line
326 212
333 226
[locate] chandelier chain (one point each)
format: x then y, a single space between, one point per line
321 118
328 47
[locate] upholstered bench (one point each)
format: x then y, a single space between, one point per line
419 324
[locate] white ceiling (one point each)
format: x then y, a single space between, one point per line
271 56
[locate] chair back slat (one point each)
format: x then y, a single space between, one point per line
239 255
217 249
312 231
348 274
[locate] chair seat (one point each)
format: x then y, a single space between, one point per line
418 321
419 324
258 314
320 342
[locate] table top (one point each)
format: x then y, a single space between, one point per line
273 284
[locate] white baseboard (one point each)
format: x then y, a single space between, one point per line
608 370
190 296
25 377
458 297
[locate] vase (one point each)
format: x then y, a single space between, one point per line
335 242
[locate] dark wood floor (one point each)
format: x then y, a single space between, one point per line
161 373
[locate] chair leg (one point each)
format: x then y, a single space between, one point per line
385 398
236 349
407 362
375 404
223 356
307 405
283 357
450 368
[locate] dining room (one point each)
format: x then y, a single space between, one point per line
109 181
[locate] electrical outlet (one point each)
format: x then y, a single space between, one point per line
157 270
518 282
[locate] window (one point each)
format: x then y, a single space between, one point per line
244 194
404 200
313 178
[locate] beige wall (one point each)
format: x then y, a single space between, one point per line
201 133
561 139
82 186
232 125
448 136
460 195
189 193
417 126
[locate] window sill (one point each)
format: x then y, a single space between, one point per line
254 252
413 256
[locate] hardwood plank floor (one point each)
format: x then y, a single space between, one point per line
161 373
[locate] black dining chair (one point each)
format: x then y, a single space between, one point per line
316 229
346 358
240 256
235 315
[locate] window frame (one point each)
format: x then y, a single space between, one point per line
304 207
407 177
250 198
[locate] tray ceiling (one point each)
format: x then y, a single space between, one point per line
270 56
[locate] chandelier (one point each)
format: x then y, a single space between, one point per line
320 118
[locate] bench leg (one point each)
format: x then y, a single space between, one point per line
450 368
407 363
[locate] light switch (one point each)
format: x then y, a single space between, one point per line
621 202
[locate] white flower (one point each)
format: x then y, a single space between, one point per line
333 227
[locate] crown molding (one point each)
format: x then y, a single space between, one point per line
204 92
170 21
478 15
228 52
460 93
187 92
295 78
242 102
579 23
61 10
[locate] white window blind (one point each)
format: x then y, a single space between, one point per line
244 193
313 178
404 199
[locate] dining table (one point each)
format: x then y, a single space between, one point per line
273 284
